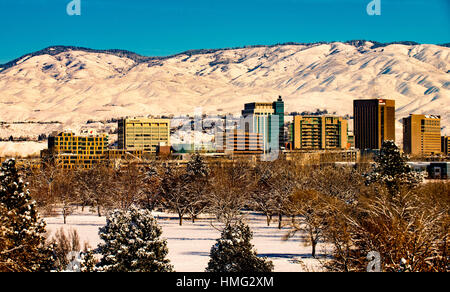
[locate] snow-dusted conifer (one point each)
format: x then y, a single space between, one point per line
392 170
234 252
197 167
132 243
22 229
88 262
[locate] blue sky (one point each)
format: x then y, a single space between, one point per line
165 27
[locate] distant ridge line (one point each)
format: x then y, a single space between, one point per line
55 50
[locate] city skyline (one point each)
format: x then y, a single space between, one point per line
239 139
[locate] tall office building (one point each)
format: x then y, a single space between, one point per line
445 145
67 150
374 122
278 107
319 133
143 134
266 118
422 135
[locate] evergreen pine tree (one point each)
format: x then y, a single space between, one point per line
133 243
88 261
22 231
392 170
234 252
197 167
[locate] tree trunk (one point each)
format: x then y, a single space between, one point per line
99 211
181 219
269 218
64 215
280 220
313 244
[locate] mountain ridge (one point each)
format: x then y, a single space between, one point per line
57 49
73 85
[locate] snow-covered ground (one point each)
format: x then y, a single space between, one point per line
189 245
21 149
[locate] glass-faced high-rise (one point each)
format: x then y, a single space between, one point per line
278 107
266 118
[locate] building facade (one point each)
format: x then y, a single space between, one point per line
439 170
278 107
422 135
67 150
319 133
239 142
445 144
143 134
351 140
374 123
120 155
267 119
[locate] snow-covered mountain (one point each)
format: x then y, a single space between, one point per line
73 85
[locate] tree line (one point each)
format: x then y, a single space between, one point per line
356 210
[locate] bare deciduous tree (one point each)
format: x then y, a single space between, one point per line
128 186
230 191
173 192
311 209
198 185
96 184
151 183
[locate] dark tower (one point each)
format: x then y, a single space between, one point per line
374 122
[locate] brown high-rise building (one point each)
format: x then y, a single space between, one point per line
422 135
445 145
374 122
319 133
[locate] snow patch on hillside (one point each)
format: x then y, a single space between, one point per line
21 149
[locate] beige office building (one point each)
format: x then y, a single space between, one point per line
422 135
143 134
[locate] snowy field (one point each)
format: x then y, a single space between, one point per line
21 149
189 245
